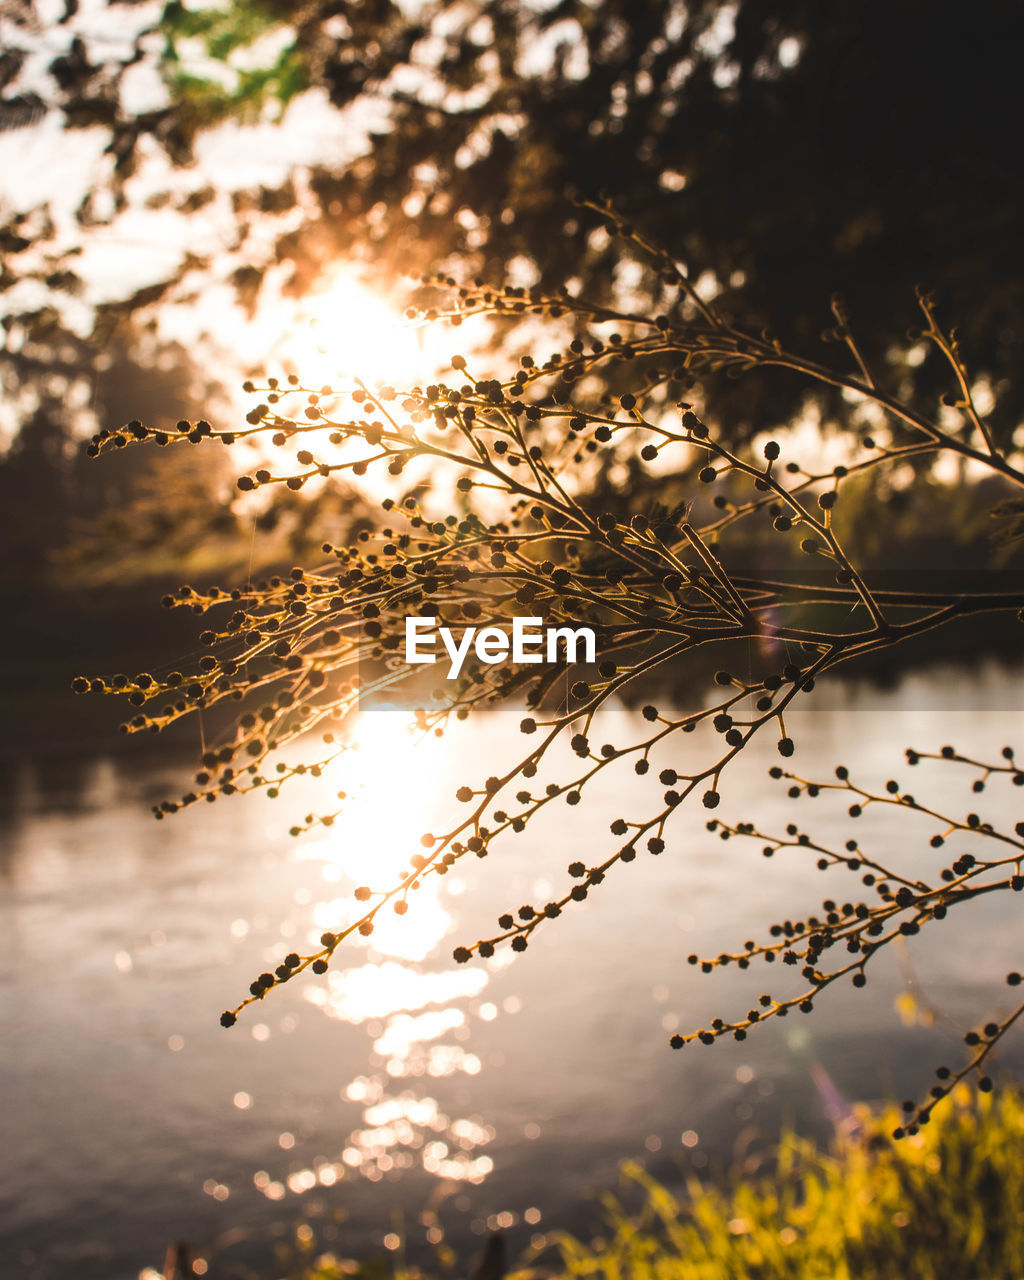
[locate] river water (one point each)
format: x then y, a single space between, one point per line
409 1099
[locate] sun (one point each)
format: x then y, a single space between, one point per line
347 329
343 331
354 333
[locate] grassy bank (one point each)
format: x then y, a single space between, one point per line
946 1204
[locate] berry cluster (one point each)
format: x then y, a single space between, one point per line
898 907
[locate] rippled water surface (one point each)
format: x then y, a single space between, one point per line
406 1096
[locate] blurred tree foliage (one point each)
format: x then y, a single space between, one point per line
223 33
785 151
793 149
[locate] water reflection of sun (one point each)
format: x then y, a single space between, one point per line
394 791
417 1015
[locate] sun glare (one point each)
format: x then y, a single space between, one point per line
342 330
392 797
391 783
346 328
355 333
416 1015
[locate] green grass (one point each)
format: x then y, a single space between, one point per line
946 1204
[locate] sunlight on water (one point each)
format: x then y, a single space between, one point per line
410 1009
392 788
406 1129
380 990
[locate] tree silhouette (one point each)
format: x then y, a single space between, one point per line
495 517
